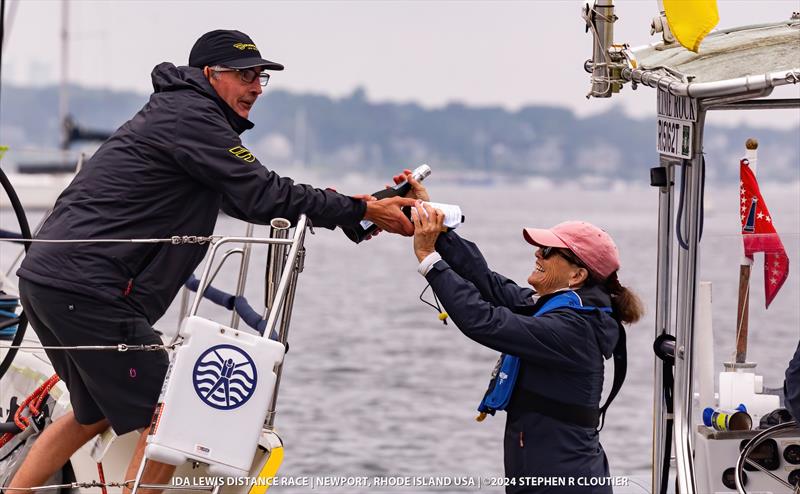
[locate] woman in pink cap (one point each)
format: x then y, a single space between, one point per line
554 339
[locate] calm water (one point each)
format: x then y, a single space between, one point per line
374 384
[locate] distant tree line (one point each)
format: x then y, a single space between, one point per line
354 134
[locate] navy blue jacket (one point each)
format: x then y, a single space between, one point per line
561 352
167 171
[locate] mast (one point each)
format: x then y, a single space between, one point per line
743 307
63 96
600 21
2 34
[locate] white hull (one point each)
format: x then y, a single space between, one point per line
36 191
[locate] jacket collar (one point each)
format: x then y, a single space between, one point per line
592 296
168 77
238 122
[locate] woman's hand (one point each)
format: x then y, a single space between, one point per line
418 191
428 224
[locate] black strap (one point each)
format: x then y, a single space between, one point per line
529 401
526 400
665 352
620 371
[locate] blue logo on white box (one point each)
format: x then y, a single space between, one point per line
224 377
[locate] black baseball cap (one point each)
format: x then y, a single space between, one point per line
229 48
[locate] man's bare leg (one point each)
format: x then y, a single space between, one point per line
154 473
58 442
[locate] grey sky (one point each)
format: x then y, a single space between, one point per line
481 53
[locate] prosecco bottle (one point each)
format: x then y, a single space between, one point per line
366 228
452 214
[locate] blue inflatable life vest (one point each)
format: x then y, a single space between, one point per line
504 376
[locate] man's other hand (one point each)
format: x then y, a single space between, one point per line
387 215
418 191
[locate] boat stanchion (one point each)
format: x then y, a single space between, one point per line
276 258
244 264
284 286
229 367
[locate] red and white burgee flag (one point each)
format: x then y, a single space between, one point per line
758 233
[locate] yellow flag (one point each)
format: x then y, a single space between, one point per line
691 20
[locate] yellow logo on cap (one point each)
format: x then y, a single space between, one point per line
245 46
242 153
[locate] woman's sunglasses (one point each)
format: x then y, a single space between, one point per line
565 253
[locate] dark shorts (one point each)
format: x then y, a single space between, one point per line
122 387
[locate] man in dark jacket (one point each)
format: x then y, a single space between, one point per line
168 171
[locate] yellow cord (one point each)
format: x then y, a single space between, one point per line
443 316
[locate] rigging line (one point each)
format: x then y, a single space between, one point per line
607 64
602 16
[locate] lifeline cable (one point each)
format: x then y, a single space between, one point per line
174 240
95 484
121 347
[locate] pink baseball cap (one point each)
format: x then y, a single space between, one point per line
593 246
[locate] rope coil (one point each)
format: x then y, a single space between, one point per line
33 403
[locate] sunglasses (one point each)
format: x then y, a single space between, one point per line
247 75
566 254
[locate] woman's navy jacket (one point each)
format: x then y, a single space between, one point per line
562 354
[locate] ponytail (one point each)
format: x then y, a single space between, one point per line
626 306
